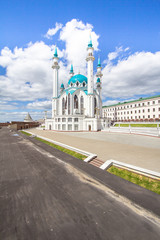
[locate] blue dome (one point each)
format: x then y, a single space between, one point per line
77 78
62 85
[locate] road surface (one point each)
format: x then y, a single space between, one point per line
42 197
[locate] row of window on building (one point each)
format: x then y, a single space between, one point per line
65 119
68 127
138 117
134 105
135 111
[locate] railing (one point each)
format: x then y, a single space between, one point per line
136 130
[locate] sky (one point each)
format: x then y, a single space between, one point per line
125 34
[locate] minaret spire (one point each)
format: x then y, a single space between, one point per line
90 42
55 52
71 71
55 67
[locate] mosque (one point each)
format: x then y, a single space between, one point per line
78 107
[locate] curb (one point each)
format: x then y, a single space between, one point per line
130 167
90 156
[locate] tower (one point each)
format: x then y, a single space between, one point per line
90 58
55 67
99 85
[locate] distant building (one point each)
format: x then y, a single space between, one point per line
142 109
28 118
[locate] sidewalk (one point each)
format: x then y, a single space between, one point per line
106 149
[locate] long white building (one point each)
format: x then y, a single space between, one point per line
142 109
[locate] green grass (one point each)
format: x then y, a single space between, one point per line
143 181
26 133
72 153
135 125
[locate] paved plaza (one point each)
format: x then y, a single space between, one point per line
138 150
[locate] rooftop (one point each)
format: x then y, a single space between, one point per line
137 100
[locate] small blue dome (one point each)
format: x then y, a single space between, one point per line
77 78
98 80
62 85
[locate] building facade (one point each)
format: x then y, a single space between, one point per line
143 110
78 107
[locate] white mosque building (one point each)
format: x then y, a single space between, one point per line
78 107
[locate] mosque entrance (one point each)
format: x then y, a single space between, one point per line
49 127
89 127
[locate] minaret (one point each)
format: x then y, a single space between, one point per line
55 67
90 58
71 73
99 85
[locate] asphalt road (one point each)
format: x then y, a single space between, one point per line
43 197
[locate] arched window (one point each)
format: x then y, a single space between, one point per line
82 105
95 105
75 102
69 104
66 103
63 106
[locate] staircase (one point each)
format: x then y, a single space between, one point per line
96 162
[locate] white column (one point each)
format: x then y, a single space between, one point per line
90 76
55 82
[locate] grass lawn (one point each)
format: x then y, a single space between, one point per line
135 125
28 134
72 153
143 181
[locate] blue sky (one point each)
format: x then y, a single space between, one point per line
125 33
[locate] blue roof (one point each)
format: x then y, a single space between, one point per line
78 78
71 90
90 42
99 62
55 52
71 71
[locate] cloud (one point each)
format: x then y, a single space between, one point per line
40 105
76 34
138 74
9 106
28 72
52 31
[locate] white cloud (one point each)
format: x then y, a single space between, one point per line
52 31
76 34
40 105
9 106
137 74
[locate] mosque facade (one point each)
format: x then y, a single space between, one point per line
78 107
